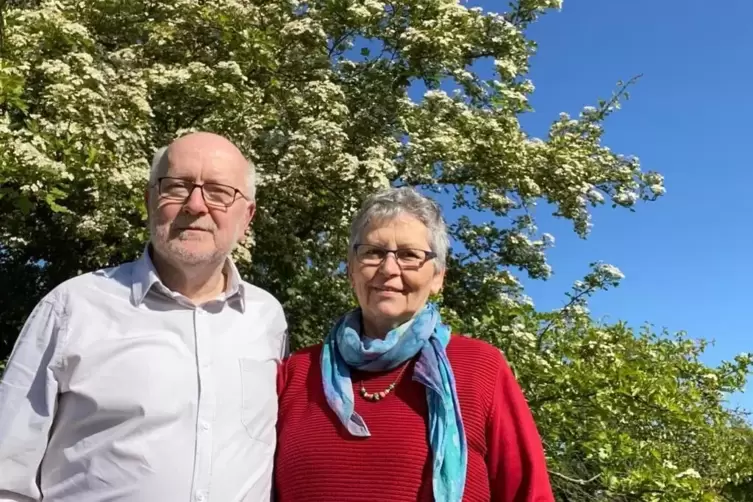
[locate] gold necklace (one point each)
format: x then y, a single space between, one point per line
378 396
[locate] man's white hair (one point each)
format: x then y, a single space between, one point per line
159 165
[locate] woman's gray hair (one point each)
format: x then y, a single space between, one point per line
160 157
394 202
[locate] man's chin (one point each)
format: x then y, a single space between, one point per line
192 256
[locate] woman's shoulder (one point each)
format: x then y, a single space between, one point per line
477 361
296 369
465 347
479 369
304 356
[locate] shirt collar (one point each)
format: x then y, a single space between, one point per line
145 277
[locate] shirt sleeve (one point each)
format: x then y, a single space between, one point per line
285 351
28 398
516 463
280 333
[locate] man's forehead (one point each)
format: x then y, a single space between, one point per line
179 154
205 141
214 161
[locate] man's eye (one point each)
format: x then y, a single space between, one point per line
215 190
175 187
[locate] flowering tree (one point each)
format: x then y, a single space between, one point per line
322 96
624 415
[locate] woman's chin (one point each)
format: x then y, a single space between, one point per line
388 306
386 311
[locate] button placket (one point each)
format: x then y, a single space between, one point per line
206 404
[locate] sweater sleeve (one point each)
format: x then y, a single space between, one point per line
516 463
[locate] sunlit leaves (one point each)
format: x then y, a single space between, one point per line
624 414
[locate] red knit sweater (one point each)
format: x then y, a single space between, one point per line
318 461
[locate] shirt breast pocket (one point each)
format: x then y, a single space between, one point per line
259 398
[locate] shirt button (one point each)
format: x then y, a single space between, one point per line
200 497
204 425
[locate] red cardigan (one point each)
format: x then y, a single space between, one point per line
318 461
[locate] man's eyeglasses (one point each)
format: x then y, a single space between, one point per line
407 258
215 194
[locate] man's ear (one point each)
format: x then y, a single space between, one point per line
247 217
250 213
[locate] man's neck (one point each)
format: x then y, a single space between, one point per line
197 283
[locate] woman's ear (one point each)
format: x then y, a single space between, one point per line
437 282
349 274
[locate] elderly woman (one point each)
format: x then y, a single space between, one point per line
392 407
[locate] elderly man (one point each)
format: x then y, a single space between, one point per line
153 381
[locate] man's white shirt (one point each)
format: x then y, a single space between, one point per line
119 389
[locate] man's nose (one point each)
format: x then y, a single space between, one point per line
195 203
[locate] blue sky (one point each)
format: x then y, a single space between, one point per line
686 257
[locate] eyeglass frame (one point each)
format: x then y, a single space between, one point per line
430 255
201 186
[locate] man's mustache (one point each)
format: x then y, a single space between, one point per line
180 225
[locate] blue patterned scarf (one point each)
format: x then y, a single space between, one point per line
425 335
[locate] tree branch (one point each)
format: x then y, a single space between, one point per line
336 41
3 3
580 482
536 402
573 299
605 109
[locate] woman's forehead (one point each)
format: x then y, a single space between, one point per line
405 229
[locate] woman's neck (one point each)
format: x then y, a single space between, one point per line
379 328
374 329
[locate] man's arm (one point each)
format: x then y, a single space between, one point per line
279 331
28 397
285 345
